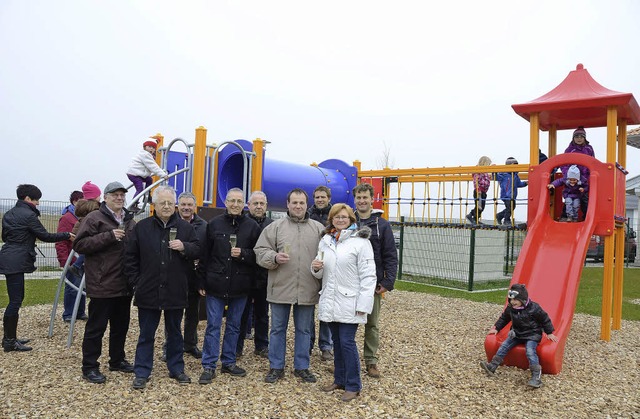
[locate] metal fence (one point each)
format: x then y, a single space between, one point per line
47 265
457 255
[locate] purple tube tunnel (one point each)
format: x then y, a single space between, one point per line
279 177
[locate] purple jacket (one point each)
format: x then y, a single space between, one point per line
582 149
571 191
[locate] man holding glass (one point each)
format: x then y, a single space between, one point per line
101 238
286 248
228 263
159 257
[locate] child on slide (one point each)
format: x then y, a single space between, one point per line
528 320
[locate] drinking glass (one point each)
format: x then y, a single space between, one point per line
233 239
320 255
287 248
173 233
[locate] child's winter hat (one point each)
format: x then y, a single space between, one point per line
518 292
580 131
151 142
573 172
90 191
511 160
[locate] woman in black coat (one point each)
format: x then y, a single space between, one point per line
20 229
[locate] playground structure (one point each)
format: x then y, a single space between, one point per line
549 264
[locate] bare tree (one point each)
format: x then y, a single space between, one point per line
385 160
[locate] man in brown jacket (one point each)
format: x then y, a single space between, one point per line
101 238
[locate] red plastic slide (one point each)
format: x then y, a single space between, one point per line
551 261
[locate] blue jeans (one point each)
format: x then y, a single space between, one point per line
15 291
211 345
346 360
324 339
70 297
149 320
530 349
302 317
572 205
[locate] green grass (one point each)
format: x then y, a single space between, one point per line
42 291
589 294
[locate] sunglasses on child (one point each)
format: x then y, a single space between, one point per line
512 294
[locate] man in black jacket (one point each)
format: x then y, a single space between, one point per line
258 294
319 212
386 258
159 257
186 209
229 262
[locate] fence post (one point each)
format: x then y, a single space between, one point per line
399 276
472 258
506 256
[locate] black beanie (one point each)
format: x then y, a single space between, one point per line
522 295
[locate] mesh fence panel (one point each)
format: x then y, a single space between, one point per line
458 256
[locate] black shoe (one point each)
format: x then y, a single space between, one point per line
94 376
274 375
306 376
66 319
194 352
181 378
11 345
207 375
327 355
83 317
23 341
233 370
264 352
139 383
122 366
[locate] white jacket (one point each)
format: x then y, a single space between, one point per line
348 277
144 165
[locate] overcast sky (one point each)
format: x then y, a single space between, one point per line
82 83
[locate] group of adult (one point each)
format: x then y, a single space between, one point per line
241 262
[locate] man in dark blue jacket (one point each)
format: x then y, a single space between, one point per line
229 264
158 260
386 258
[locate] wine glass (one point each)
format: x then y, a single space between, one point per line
233 240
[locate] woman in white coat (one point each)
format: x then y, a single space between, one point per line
345 264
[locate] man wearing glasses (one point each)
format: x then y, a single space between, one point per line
101 238
228 263
158 260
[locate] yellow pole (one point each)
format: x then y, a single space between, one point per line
553 141
607 280
257 167
534 133
618 280
199 159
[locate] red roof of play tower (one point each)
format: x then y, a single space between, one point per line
579 100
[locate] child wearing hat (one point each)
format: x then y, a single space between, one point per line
528 321
144 165
509 184
580 145
573 191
